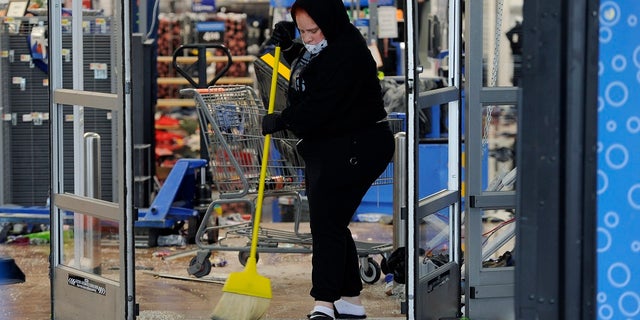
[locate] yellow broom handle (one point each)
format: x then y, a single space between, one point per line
265 159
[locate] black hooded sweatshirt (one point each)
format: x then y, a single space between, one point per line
342 91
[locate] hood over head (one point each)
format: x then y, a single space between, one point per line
330 15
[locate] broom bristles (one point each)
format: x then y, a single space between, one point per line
233 306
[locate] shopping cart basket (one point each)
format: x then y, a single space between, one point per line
231 117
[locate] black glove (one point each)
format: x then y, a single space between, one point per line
272 123
283 34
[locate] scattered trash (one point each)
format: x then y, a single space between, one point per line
38 241
147 268
43 235
505 260
388 284
19 240
4 231
370 217
386 219
231 219
172 240
162 253
396 290
210 279
143 268
219 262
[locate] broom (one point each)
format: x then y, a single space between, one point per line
246 294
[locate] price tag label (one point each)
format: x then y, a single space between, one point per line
210 31
387 22
99 70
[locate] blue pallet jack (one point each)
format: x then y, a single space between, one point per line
180 199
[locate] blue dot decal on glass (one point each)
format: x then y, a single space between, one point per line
618 188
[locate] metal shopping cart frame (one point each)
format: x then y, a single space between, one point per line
230 117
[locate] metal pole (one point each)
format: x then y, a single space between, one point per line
399 191
92 187
411 83
92 165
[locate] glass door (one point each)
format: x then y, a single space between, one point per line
91 212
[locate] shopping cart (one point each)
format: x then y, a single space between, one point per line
230 117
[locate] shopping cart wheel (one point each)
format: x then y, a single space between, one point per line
243 256
200 265
370 270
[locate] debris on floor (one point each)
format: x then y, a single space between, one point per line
172 240
209 278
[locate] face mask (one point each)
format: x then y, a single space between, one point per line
315 48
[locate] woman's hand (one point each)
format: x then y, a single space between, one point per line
283 34
272 123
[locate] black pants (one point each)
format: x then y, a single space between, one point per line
338 172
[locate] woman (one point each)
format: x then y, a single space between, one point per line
335 107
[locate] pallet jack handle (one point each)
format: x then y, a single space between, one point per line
201 63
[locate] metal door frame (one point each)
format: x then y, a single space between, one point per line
556 275
488 291
75 293
436 294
